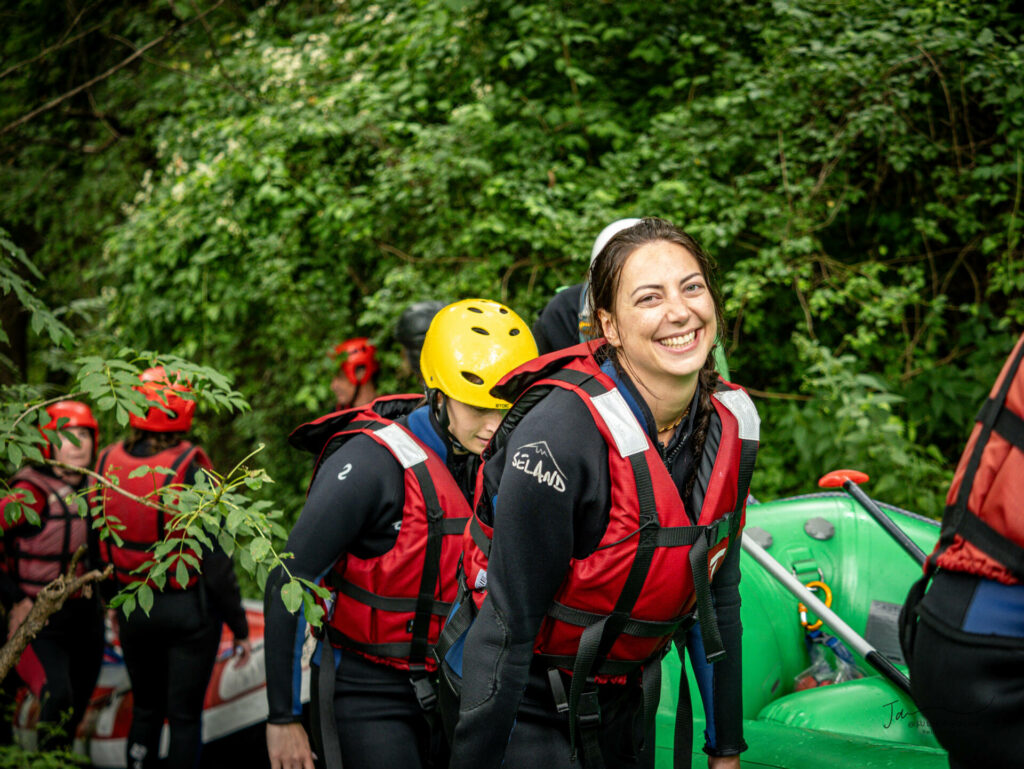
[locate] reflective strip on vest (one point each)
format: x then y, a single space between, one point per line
405 449
629 436
747 419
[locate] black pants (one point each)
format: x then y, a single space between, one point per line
969 686
380 722
61 664
540 737
169 656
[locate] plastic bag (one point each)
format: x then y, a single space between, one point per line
821 671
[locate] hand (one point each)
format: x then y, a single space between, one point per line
243 650
723 762
288 747
17 615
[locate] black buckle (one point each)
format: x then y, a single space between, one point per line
588 711
426 693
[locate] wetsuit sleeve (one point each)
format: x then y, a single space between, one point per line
721 685
355 498
546 512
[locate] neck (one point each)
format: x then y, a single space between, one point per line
667 399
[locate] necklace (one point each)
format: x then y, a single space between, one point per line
675 424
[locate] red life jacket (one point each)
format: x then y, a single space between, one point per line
983 524
144 526
36 560
390 608
652 565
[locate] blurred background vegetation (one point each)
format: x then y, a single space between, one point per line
245 184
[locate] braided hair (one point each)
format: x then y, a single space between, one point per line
604 278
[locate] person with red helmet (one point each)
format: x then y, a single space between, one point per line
169 652
355 384
62 662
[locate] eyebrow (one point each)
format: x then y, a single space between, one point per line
658 285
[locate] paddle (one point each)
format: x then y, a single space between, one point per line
849 479
846 633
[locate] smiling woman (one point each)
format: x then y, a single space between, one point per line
610 528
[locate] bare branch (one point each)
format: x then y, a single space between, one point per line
103 76
55 47
49 601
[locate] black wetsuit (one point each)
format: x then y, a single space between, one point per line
169 655
558 325
538 529
967 669
353 506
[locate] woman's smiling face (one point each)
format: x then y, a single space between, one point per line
664 322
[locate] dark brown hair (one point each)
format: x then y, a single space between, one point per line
605 276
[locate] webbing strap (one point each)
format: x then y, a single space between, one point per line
451 527
1006 423
1005 551
325 725
480 538
679 536
650 686
385 603
597 639
682 748
161 524
457 625
431 567
634 627
957 512
397 649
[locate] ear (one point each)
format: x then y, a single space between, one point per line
608 328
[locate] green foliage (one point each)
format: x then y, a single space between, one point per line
855 168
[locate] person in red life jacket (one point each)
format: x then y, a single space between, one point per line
615 491
169 652
382 527
62 662
355 383
964 640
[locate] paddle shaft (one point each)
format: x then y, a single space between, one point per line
885 521
846 633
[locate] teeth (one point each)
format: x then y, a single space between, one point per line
678 341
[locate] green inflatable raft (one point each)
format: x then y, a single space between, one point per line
867 723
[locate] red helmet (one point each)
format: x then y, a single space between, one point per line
359 363
77 414
157 387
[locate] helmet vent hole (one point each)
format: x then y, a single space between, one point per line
472 378
476 310
514 332
482 331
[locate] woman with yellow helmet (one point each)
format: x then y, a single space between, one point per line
381 529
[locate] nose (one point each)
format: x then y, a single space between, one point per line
677 309
491 422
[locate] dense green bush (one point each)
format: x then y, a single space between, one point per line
855 167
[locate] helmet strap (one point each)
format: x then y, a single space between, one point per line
439 408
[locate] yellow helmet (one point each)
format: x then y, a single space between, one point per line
472 344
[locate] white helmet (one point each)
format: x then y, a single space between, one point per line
608 233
